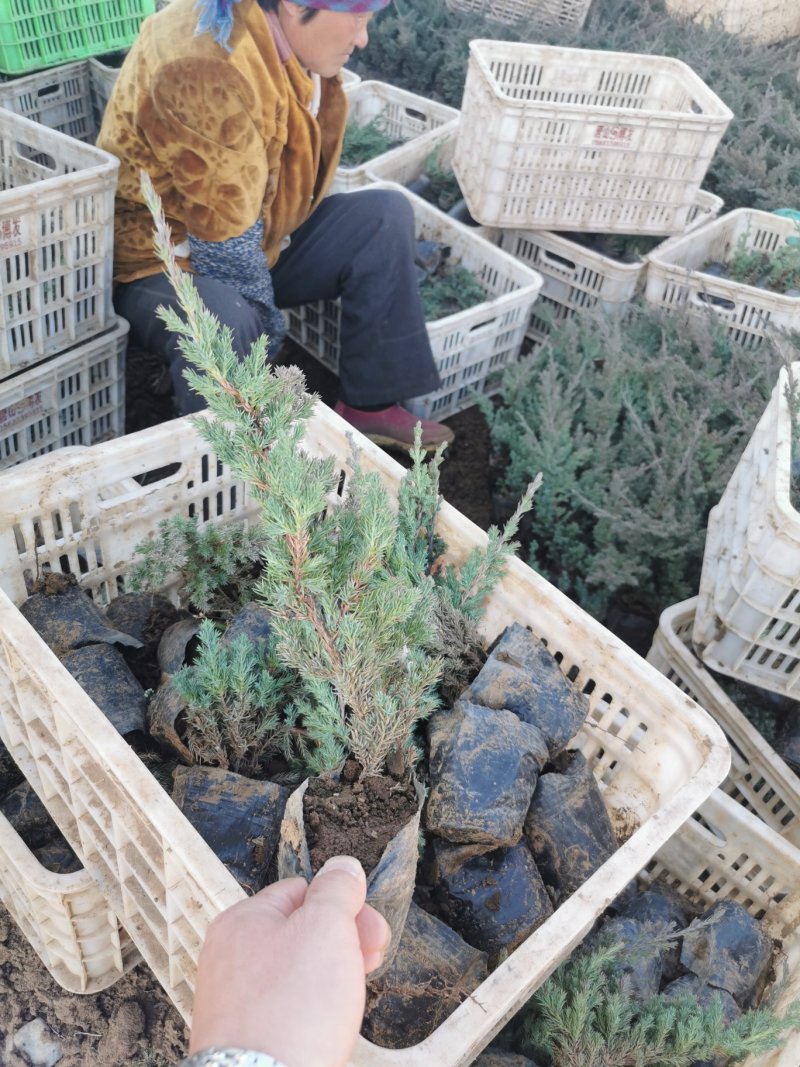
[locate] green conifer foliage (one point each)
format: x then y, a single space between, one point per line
583 1016
235 696
636 425
355 631
207 563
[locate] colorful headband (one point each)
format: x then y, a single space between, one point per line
216 16
355 6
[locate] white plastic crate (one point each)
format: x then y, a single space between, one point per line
573 139
65 917
56 241
349 78
577 278
759 779
725 853
747 623
77 398
404 116
655 754
59 97
543 12
471 347
763 20
675 277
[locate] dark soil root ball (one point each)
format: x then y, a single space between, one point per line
728 949
253 620
662 909
691 987
495 900
238 817
10 774
639 966
28 816
522 676
65 617
433 971
567 826
58 857
108 680
496 1057
483 767
144 616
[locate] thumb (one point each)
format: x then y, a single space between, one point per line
340 884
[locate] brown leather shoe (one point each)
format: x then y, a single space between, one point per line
393 427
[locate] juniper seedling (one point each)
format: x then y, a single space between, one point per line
235 696
451 289
582 1016
210 562
355 632
364 141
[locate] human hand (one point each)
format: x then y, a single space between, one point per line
284 972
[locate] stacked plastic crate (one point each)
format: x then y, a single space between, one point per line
609 147
472 346
62 349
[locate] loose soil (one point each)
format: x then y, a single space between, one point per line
336 814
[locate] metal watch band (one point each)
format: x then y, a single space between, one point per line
230 1057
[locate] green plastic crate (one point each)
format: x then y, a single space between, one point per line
43 33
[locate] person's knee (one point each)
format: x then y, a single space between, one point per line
390 209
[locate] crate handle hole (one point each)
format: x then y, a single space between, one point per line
561 261
482 325
412 113
710 300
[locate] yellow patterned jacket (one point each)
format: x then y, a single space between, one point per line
226 136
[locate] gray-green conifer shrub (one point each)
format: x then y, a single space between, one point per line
208 563
236 698
636 425
583 1016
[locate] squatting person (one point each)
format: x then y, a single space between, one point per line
236 111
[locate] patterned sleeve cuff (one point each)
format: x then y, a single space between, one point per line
241 263
230 1057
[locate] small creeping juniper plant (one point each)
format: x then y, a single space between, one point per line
208 561
352 606
584 1016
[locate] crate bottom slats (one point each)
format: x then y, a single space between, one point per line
759 779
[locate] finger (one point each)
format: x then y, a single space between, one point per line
374 935
280 899
339 884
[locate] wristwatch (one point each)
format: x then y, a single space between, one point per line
230 1057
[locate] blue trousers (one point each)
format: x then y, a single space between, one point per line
356 246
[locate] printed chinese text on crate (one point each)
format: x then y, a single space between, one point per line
654 752
470 347
763 20
759 779
77 398
573 139
59 98
403 116
542 12
747 623
56 241
675 277
44 33
65 917
724 852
